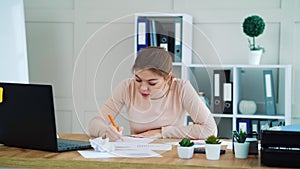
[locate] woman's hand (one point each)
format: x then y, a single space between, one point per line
156 133
113 134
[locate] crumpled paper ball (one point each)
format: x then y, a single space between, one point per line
102 145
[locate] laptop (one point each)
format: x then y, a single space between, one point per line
27 119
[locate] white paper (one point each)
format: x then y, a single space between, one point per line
128 139
119 153
217 85
128 147
140 146
142 33
102 145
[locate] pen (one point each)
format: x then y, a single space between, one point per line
113 122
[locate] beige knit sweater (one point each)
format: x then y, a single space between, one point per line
167 113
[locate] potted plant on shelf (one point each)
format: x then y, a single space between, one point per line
253 26
212 148
241 147
185 148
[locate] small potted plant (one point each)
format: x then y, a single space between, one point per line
241 146
185 148
212 148
253 26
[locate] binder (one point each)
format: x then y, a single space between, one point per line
220 77
178 39
227 97
142 33
153 36
162 36
277 123
269 92
171 44
244 125
254 126
263 125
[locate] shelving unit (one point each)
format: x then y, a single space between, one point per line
248 84
247 80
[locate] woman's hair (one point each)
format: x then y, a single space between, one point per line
153 58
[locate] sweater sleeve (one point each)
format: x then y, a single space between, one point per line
100 122
204 123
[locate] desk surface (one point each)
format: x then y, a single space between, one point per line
26 158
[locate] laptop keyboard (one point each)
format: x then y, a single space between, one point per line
72 144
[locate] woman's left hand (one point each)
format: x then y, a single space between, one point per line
156 133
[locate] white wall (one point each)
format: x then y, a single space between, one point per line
85 47
13 50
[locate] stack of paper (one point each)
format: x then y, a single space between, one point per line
129 147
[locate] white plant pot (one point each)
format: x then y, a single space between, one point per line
212 151
241 149
254 57
185 152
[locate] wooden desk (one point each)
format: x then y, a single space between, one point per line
26 158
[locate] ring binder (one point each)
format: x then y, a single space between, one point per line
220 77
227 97
269 92
142 33
244 125
178 39
153 35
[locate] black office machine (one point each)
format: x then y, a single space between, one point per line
281 148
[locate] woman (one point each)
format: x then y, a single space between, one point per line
156 103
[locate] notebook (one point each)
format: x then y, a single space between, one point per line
27 118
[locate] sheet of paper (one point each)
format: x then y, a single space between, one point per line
94 154
129 147
128 143
140 146
119 154
128 139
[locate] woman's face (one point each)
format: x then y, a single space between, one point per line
150 84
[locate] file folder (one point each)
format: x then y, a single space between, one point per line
153 35
254 126
220 77
227 97
171 44
269 92
178 39
244 125
161 36
142 33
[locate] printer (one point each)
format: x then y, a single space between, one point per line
281 147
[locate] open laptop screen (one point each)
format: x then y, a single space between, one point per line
27 116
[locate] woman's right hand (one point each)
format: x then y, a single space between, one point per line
113 134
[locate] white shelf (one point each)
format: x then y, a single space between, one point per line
255 116
236 66
223 115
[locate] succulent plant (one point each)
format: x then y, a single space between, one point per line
212 140
240 137
186 142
